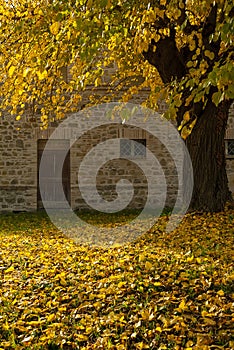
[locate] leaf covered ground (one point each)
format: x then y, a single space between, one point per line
163 291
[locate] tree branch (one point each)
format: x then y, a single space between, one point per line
166 59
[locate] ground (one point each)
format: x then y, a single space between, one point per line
163 291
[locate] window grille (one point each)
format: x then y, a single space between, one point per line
134 148
230 148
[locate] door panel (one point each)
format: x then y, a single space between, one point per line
50 174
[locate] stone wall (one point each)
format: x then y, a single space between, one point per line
19 164
136 171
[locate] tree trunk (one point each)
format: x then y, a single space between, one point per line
206 142
206 147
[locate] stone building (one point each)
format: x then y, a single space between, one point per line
21 148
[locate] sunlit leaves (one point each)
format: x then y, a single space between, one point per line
164 291
39 39
54 28
11 71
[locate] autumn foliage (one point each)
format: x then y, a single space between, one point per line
180 51
40 38
164 291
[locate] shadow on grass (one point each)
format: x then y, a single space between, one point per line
22 221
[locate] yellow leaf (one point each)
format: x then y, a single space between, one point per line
54 28
182 305
18 117
51 317
34 323
204 313
101 296
209 54
6 326
148 265
88 330
166 31
62 308
26 71
10 269
141 346
97 82
56 325
63 281
122 320
120 346
157 284
81 337
11 71
145 314
189 344
122 283
42 75
186 116
190 258
220 293
209 322
97 305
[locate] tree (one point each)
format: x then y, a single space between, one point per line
181 48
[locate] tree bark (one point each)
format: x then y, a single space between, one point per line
206 143
206 146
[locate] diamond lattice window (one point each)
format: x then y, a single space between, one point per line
134 148
230 147
125 147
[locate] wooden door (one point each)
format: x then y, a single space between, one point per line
50 173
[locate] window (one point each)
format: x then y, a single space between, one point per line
134 148
230 148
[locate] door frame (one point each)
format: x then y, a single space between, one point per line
58 146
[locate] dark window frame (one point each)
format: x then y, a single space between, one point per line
229 148
129 149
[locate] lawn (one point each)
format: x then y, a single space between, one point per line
162 291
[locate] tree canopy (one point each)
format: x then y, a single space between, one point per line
40 38
181 50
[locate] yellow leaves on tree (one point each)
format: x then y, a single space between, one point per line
46 37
